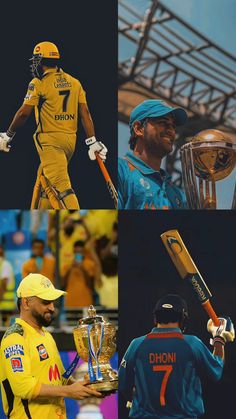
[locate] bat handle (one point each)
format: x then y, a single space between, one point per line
211 312
103 168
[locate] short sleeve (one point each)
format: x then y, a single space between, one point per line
16 364
82 94
33 93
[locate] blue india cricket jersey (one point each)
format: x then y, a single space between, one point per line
141 187
161 371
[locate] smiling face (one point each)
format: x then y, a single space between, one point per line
157 134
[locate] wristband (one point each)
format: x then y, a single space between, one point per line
10 133
90 140
219 339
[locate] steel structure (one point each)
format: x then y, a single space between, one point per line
165 57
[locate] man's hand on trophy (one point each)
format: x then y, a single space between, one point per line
80 390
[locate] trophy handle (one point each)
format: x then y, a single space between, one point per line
209 200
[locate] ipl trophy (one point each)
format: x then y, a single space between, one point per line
210 156
95 343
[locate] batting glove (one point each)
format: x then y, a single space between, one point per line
96 147
223 333
4 140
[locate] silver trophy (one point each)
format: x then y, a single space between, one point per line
210 156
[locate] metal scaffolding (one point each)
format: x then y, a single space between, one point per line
167 58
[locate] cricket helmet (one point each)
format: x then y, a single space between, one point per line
42 52
171 308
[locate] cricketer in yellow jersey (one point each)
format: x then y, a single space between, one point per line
31 368
58 100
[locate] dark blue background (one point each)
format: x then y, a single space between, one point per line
86 35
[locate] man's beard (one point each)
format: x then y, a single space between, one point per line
42 320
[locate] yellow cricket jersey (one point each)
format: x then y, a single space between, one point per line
56 98
29 359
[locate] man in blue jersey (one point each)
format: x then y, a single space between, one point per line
142 184
160 372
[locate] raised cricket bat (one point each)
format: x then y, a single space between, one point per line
188 270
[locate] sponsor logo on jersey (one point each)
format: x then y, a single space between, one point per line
123 363
53 373
65 117
16 364
61 85
42 352
144 183
13 351
62 82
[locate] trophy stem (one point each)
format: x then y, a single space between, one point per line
213 188
201 191
234 199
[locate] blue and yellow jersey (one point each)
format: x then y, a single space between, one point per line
160 373
29 359
56 98
141 187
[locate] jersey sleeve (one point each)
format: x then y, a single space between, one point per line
17 367
127 369
210 364
82 94
33 93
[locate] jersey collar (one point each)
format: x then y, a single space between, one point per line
28 327
143 167
166 330
52 70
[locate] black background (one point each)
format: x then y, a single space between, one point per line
86 35
146 273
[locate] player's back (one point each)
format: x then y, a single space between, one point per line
56 98
166 381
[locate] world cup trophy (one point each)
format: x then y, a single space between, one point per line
210 156
95 343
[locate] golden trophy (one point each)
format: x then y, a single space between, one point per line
209 156
95 343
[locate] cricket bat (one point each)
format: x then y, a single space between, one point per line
110 185
188 270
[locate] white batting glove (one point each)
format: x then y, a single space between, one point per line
4 139
96 147
225 331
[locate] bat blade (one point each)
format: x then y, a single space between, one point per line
188 270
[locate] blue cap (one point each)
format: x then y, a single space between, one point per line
153 108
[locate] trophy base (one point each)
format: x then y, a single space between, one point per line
104 387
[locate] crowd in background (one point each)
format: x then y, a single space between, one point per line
76 250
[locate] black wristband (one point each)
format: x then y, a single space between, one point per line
10 133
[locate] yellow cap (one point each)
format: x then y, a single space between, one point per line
37 285
46 50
